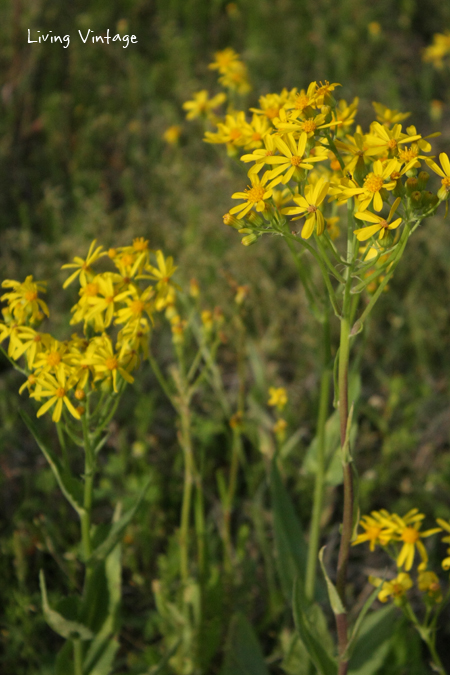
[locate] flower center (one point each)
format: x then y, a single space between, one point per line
256 136
235 134
295 160
91 290
373 183
308 126
127 259
373 532
37 338
30 296
301 102
410 535
311 208
255 194
140 244
407 154
446 183
137 306
271 113
392 144
397 590
111 363
60 392
109 300
334 165
54 358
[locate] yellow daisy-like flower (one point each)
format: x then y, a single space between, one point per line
292 157
56 388
387 116
309 204
201 105
444 172
172 134
235 131
373 183
277 397
428 582
272 104
256 195
388 140
377 529
306 127
23 300
83 267
381 225
407 530
224 59
395 589
106 363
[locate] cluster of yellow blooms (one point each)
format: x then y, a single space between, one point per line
61 373
401 537
277 399
438 50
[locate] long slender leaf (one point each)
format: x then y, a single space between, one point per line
118 528
373 643
243 655
70 487
291 548
318 654
67 628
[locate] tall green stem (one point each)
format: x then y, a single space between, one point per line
314 532
77 657
89 470
187 492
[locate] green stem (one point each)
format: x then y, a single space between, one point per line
189 473
438 665
314 531
89 470
77 657
228 507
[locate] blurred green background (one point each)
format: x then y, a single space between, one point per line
82 156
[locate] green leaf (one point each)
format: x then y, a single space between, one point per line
291 548
335 600
67 628
156 670
361 616
243 655
324 663
100 655
373 643
71 488
118 528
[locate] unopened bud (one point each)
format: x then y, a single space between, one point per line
429 198
79 394
232 221
423 179
411 185
249 239
416 200
254 218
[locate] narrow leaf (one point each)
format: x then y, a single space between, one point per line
118 528
70 486
373 643
243 655
67 628
335 600
290 543
318 655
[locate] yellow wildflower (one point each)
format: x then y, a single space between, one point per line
254 196
23 301
83 267
56 388
201 105
292 157
387 116
444 172
172 134
428 582
407 530
309 204
395 589
277 397
377 529
381 225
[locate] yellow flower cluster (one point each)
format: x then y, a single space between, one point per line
403 536
438 50
304 137
61 373
233 73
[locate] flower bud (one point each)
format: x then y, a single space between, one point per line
423 179
232 221
411 185
416 200
249 239
429 199
254 219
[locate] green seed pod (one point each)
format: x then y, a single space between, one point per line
429 199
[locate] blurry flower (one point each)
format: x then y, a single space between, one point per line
277 397
377 529
172 134
201 105
374 28
83 267
394 589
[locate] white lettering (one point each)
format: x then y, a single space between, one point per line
133 39
116 37
29 37
87 35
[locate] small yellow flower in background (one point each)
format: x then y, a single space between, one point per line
23 301
436 110
387 116
394 589
308 206
83 267
241 294
172 134
224 59
438 50
207 320
445 540
201 105
194 288
277 397
56 389
428 582
374 28
332 226
279 429
233 72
